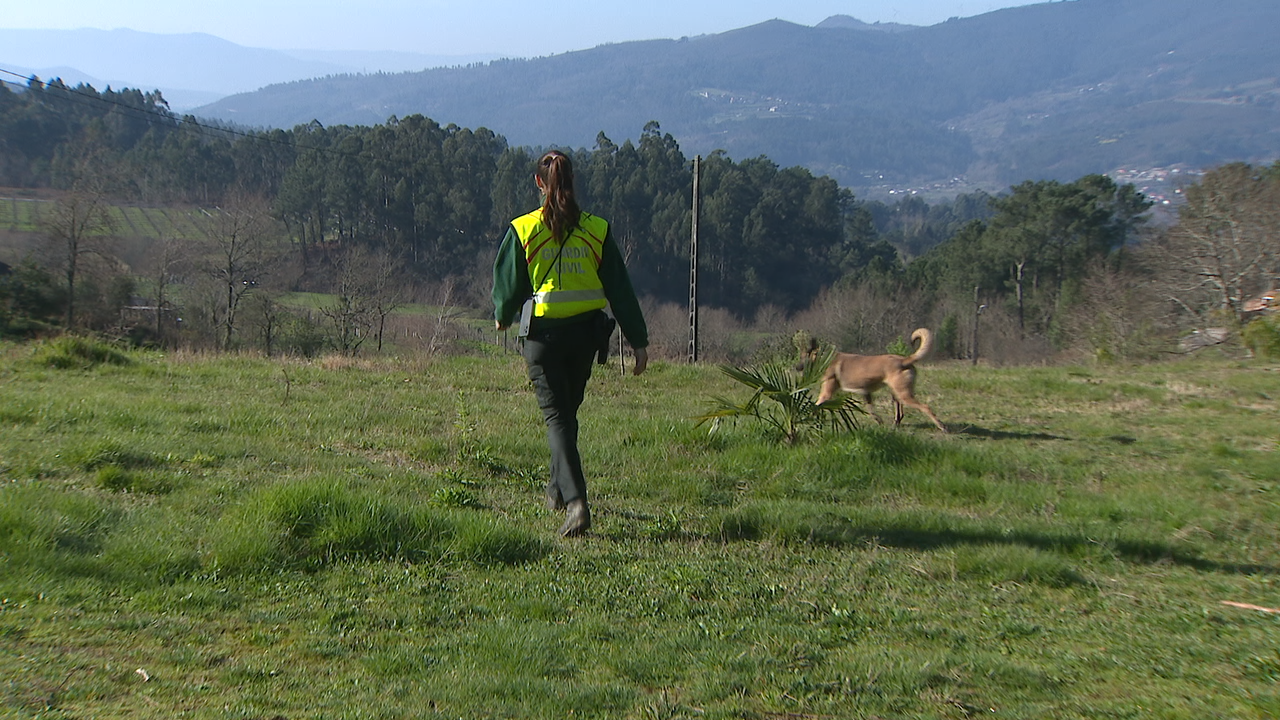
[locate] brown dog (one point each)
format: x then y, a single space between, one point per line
864 374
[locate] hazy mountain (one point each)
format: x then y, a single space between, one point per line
851 23
189 69
1050 90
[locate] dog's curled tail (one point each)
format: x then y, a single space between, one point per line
926 344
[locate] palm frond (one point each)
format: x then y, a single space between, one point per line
746 376
723 408
793 411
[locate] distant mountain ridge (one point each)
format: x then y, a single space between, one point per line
851 23
1053 90
190 69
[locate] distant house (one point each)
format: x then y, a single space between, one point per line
1262 303
145 312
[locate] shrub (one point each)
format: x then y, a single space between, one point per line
303 336
1262 336
30 302
899 346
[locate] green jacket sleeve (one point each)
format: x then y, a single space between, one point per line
511 284
622 297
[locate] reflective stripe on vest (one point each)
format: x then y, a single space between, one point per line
569 274
567 296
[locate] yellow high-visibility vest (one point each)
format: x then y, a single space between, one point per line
566 277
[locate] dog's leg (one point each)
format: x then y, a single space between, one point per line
914 403
925 409
830 386
868 401
903 390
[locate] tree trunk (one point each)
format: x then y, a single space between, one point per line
1021 267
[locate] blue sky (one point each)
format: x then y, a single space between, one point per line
464 27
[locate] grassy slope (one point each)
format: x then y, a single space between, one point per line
337 539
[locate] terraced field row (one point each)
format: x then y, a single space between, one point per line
27 214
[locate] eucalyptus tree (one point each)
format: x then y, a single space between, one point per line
727 197
300 203
262 159
346 193
513 192
470 161
199 165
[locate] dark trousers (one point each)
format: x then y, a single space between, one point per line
559 364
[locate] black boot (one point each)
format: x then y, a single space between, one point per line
555 501
577 519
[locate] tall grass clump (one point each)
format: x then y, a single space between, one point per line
51 530
64 534
997 563
102 453
311 524
148 545
76 353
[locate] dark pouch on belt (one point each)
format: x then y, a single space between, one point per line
604 330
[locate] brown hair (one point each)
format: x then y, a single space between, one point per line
560 209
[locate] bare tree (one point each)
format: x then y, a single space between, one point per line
164 262
266 315
367 289
79 227
386 288
1115 317
239 257
351 311
1225 248
442 317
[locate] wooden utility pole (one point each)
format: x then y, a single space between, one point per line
977 312
693 263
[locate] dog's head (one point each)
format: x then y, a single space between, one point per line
808 355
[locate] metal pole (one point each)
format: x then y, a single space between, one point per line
693 263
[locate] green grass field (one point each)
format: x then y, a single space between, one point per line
235 537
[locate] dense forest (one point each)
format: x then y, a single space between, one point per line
379 216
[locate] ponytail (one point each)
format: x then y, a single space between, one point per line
560 209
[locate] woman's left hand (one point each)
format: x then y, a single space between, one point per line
642 361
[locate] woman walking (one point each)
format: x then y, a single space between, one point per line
559 268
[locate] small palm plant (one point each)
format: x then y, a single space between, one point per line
793 411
